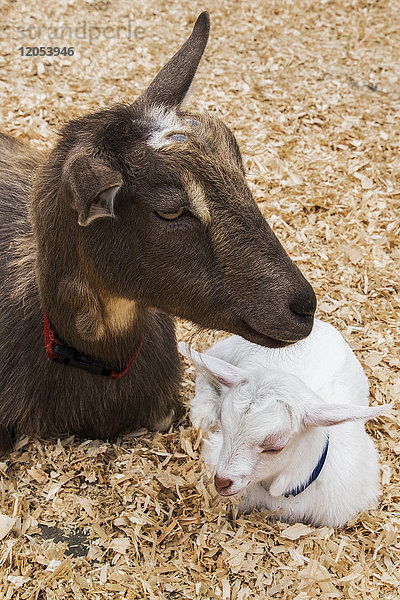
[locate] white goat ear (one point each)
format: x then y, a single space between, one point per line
214 369
324 415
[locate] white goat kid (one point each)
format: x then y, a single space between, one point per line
286 426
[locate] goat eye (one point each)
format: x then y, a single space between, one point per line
271 450
170 216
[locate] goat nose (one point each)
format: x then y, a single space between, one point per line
304 305
222 483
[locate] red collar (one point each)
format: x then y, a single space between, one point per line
57 351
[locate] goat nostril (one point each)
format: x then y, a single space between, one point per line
221 483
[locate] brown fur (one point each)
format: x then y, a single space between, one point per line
86 243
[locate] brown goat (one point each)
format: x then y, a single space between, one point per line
140 211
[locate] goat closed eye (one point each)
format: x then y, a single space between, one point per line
274 443
170 216
269 448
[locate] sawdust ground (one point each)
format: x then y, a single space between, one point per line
311 90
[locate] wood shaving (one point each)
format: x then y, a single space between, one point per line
312 92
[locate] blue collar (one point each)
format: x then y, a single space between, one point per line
300 488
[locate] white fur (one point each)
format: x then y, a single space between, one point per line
166 124
293 396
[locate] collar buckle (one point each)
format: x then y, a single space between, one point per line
69 356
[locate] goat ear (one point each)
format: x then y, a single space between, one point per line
214 369
325 415
92 186
172 83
